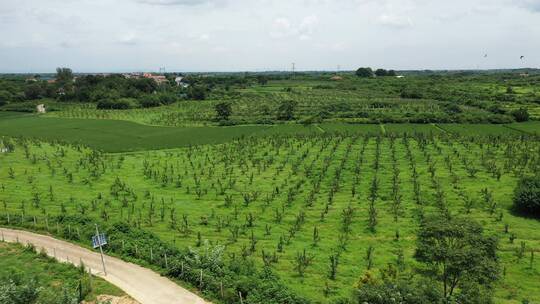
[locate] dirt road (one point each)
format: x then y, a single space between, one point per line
143 285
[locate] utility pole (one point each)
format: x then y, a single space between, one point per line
101 251
293 68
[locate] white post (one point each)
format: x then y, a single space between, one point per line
101 251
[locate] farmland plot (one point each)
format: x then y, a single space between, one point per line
319 209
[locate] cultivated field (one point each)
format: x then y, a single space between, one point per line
321 209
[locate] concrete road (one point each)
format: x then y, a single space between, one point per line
143 285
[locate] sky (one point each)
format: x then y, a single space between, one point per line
264 35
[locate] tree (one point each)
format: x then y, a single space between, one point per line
197 92
286 110
381 72
33 91
262 80
520 114
5 96
223 110
364 72
391 73
527 196
457 254
64 76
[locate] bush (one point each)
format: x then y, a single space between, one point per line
499 119
5 96
197 92
149 101
119 104
520 114
166 99
527 196
411 93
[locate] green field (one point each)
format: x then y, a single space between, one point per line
417 98
268 193
124 136
278 189
55 281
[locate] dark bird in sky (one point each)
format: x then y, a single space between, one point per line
522 57
485 56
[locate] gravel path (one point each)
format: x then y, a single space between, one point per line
143 285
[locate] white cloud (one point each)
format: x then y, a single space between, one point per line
266 34
129 39
394 21
178 2
284 28
532 5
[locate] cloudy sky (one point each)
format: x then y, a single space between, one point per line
256 35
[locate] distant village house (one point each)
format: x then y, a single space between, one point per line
160 79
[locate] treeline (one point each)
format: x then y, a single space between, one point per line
116 91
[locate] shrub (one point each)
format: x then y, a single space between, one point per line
166 99
527 196
411 93
286 110
119 104
499 119
520 114
197 92
4 98
149 101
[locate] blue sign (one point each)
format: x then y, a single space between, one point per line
99 240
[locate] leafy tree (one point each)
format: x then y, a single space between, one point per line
364 72
381 72
286 110
262 80
64 76
391 73
223 110
527 196
520 114
457 254
5 96
166 98
33 91
197 92
150 101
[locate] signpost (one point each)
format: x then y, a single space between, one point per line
99 240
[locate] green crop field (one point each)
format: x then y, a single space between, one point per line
26 272
272 199
123 136
277 188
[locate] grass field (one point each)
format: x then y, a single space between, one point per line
270 193
54 278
